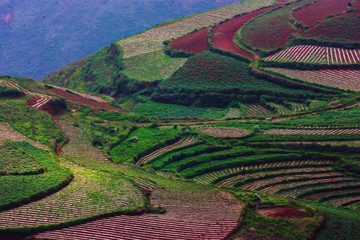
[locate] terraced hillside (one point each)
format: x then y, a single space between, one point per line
230 131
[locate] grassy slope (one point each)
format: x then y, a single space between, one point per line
33 123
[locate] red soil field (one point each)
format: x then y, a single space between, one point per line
223 34
196 42
32 101
282 213
74 98
319 10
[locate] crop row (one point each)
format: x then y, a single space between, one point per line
328 126
339 78
341 201
181 143
317 54
211 176
230 179
190 214
224 132
312 131
295 190
280 109
90 194
258 184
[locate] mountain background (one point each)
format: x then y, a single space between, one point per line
39 37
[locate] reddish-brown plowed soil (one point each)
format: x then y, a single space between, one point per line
282 213
77 99
319 10
223 34
316 196
196 42
32 101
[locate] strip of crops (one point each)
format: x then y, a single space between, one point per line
259 184
208 155
169 157
219 72
90 194
261 168
341 199
223 132
343 79
179 144
317 55
313 131
142 141
319 10
200 169
265 173
294 190
190 214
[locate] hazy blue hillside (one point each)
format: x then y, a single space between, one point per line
38 37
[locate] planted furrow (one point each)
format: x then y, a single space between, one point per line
272 172
343 201
267 167
258 184
210 214
336 183
181 143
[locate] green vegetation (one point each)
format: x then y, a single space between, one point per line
259 226
17 189
15 161
339 223
219 72
142 141
146 107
